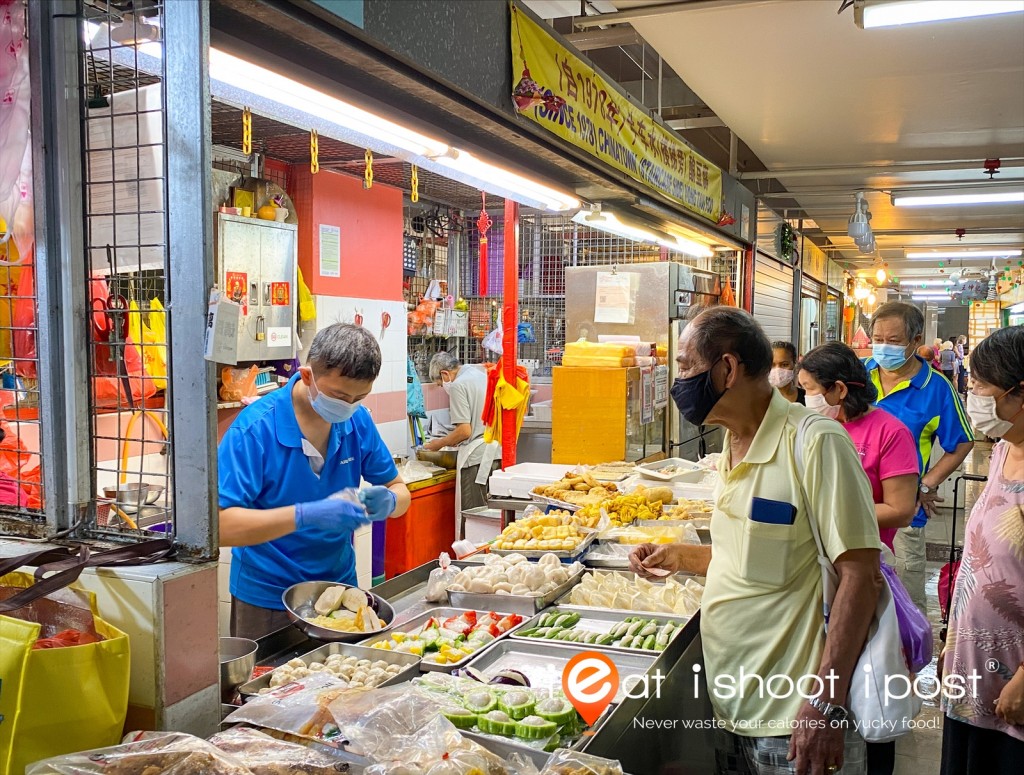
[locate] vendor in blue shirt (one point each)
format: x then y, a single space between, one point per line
279 464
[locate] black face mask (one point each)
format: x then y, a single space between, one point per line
696 396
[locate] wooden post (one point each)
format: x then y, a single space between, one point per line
510 321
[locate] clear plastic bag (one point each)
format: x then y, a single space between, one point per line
266 755
440 579
566 762
303 712
152 753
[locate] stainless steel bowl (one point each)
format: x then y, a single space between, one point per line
446 458
299 600
237 659
132 496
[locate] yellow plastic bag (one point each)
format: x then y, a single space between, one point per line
56 701
307 309
154 337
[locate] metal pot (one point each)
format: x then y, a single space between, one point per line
237 659
446 458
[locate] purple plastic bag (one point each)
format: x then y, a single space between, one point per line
915 629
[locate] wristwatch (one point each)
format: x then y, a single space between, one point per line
834 713
924 489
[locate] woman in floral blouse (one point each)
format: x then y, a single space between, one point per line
984 729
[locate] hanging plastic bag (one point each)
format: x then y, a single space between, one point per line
915 629
440 579
154 337
238 383
524 333
492 341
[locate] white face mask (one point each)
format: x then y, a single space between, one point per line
447 386
982 411
332 410
818 403
779 378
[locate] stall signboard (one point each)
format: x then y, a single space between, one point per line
815 262
646 395
568 97
660 386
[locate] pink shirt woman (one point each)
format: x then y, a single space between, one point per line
837 386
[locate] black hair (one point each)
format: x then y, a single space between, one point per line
788 347
834 362
350 350
912 317
998 359
722 330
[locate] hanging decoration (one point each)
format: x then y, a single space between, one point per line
314 152
785 242
483 225
246 131
727 219
368 174
414 184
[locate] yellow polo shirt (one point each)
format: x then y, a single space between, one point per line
762 610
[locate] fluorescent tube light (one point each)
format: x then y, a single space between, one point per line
920 11
930 296
529 191
688 246
913 284
996 197
245 75
965 254
1016 309
605 221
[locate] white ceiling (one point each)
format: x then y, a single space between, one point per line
803 86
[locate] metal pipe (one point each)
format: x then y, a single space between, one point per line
510 322
868 169
610 38
734 143
661 79
650 11
928 232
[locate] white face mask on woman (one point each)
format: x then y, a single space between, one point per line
818 403
780 378
984 416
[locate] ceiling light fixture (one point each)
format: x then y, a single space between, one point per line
965 254
930 296
133 31
901 12
607 221
945 200
872 299
880 275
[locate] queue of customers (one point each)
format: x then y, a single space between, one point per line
867 480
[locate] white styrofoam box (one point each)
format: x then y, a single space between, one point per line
517 481
541 410
484 527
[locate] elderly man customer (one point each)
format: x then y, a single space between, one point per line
761 612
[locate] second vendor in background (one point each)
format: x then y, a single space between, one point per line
466 387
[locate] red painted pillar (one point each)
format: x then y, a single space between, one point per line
509 322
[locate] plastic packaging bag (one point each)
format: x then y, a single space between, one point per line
303 712
566 762
238 383
152 753
265 755
915 629
492 341
440 579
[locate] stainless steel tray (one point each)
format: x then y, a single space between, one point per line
440 613
601 620
536 554
543 662
564 602
528 605
409 662
554 502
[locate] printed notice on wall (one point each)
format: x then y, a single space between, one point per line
614 302
279 337
330 251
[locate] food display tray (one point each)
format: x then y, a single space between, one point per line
527 605
564 601
536 554
693 473
441 613
600 620
543 662
409 663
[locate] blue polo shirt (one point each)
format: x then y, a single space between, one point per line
929 406
261 465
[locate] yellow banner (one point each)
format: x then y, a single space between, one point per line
562 93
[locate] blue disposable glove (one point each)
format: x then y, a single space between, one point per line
334 515
380 502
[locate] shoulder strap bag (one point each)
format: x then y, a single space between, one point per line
882 701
